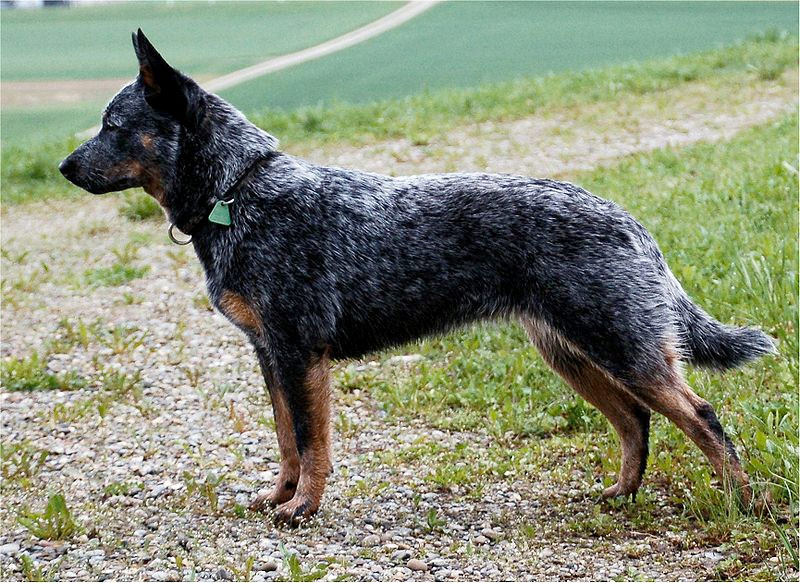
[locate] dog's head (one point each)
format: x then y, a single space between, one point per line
142 129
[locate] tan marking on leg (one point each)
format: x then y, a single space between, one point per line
629 418
146 140
315 461
239 311
696 418
289 473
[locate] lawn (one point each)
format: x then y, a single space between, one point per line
201 38
463 44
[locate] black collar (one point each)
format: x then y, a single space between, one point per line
190 225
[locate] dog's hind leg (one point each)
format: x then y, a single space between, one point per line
630 418
289 473
672 397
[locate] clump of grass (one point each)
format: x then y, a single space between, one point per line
117 274
139 206
295 571
121 271
205 488
122 488
33 572
19 462
31 374
55 523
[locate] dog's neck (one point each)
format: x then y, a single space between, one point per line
216 168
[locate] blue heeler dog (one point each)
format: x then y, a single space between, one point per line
317 263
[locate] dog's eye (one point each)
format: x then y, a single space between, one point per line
109 125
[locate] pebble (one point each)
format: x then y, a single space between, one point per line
372 540
417 565
401 555
9 549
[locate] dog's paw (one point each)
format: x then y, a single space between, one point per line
619 490
295 511
281 493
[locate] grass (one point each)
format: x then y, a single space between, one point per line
121 271
31 374
21 461
201 38
55 523
431 112
32 173
140 206
464 44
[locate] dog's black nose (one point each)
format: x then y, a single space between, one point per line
67 167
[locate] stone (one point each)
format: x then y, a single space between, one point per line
372 540
9 549
417 565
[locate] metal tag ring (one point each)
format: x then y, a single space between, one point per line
176 241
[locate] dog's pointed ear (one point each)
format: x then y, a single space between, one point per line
165 89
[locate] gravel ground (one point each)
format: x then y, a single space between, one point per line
140 479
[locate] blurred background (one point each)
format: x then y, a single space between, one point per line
61 61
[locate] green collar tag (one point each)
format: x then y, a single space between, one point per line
221 214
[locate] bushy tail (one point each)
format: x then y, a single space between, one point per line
711 344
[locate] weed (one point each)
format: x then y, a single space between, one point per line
296 571
239 421
206 489
33 572
245 571
55 523
117 274
432 521
124 339
20 461
122 488
31 374
71 334
201 301
139 206
193 375
128 253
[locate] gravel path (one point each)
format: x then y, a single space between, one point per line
158 480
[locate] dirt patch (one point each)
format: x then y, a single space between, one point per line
34 94
567 140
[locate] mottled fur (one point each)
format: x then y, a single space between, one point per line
323 263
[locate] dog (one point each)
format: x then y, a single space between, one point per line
315 264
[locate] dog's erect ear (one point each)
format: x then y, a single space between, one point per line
165 89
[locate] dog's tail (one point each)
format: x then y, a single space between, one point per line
711 344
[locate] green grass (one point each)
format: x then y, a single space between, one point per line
31 374
55 523
463 44
31 173
431 112
200 38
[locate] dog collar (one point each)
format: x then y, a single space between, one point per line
220 213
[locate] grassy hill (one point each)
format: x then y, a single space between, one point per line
463 44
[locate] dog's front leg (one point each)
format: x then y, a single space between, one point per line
303 404
289 473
